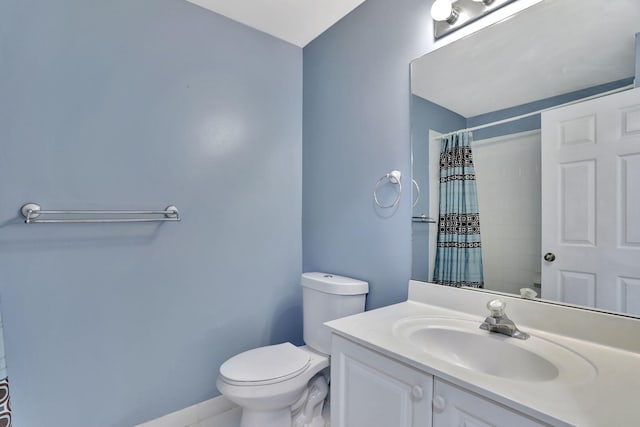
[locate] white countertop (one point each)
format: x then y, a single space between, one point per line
610 398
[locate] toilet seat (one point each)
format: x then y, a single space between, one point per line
265 365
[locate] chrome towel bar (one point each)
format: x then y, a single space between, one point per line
423 218
31 211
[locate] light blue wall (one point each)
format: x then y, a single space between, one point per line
637 59
425 116
357 128
138 104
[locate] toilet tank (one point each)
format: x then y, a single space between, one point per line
327 297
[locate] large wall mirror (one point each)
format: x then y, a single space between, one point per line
497 82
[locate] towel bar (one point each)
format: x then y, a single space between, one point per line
31 211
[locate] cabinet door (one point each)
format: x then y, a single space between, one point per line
371 390
455 407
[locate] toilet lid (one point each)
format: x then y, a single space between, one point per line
266 364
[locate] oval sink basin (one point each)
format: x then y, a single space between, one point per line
463 344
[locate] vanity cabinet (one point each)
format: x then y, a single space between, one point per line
454 406
372 390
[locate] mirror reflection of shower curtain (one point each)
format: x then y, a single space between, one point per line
5 410
459 250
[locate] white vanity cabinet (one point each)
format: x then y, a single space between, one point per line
372 390
454 406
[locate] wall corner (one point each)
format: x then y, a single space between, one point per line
637 79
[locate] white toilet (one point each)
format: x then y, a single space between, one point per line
283 385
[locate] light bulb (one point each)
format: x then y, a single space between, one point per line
441 10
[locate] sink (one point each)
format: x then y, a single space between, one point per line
462 343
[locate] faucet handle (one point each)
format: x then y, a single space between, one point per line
496 307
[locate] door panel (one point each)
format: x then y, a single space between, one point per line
629 200
578 209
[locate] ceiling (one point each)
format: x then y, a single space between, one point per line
552 48
295 21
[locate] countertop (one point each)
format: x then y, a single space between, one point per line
609 398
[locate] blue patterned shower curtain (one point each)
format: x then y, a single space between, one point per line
5 410
458 249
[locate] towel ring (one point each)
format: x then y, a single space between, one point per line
392 177
415 202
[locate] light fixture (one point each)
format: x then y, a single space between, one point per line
442 10
451 15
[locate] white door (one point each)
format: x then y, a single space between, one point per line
591 203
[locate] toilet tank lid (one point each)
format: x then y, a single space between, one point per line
334 284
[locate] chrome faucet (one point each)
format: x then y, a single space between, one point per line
499 322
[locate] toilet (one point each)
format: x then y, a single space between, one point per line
283 385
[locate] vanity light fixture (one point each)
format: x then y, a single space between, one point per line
443 10
449 15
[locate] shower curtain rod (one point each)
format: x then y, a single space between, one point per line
533 113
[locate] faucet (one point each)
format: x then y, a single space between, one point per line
499 322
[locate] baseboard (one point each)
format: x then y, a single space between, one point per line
216 412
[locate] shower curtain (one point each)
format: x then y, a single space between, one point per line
458 248
5 410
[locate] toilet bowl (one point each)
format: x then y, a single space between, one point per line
266 382
283 385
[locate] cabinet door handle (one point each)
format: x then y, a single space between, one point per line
417 393
439 404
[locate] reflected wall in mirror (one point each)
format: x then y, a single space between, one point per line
554 53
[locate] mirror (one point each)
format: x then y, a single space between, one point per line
551 54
